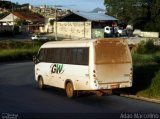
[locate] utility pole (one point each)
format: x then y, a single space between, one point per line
56 22
12 16
84 30
56 10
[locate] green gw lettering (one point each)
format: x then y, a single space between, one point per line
57 68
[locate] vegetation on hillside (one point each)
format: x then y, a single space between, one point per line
153 90
142 14
10 5
146 71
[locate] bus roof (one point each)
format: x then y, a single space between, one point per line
76 43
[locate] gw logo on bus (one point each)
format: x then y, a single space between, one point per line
57 68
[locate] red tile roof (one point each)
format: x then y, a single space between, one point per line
29 16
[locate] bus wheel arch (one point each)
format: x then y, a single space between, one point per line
69 87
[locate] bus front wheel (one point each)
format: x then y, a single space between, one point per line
41 83
70 90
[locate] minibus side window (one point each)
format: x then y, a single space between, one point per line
82 56
74 56
45 55
68 55
40 55
57 55
85 55
64 55
77 56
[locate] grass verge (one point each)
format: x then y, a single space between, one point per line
146 76
153 91
17 50
17 54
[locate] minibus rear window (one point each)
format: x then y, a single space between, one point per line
111 52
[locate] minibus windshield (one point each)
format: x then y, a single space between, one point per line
115 51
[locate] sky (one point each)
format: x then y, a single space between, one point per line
81 5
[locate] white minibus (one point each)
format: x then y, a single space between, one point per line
98 65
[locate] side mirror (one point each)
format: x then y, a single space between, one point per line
35 60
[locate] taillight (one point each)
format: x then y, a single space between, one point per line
131 73
94 73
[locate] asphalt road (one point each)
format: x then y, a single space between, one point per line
19 94
22 37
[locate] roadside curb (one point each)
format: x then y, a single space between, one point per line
141 98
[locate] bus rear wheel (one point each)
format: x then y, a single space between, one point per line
100 93
70 90
41 83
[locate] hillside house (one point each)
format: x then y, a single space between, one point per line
34 21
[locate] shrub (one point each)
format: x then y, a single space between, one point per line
142 59
150 47
157 58
146 47
153 90
141 48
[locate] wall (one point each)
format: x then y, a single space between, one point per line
136 40
150 34
42 29
73 29
6 28
146 34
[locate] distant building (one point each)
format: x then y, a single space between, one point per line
83 24
3 10
7 20
27 6
34 21
49 11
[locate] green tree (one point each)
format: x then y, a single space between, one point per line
124 10
154 22
9 5
6 4
135 12
20 22
51 23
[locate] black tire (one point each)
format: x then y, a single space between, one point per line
99 93
41 83
70 90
